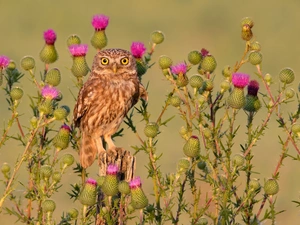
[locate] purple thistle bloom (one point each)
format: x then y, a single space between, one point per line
91 181
78 50
4 61
179 68
253 87
240 80
204 52
138 49
112 169
50 92
100 22
65 127
50 36
135 183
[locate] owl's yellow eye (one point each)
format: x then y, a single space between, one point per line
125 61
104 61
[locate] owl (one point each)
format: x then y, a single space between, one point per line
111 90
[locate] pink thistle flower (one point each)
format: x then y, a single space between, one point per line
50 36
240 80
91 181
78 50
100 22
138 49
50 92
4 61
65 127
253 87
112 169
135 183
204 52
179 68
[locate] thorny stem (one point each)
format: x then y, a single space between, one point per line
243 60
282 156
262 205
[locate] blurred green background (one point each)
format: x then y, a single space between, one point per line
187 25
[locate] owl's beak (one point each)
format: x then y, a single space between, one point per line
114 68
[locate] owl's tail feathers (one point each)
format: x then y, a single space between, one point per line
143 92
88 150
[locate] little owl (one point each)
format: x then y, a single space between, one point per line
112 89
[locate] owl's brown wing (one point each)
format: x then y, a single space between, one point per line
143 92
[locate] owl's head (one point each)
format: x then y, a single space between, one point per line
112 62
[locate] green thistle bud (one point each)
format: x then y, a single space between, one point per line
100 180
192 147
194 57
33 122
202 99
271 187
73 40
202 221
62 139
61 113
138 197
252 103
296 129
56 176
227 72
80 67
141 67
254 184
11 65
130 209
165 62
53 77
247 21
5 168
201 165
124 188
268 78
183 131
183 165
110 185
196 81
157 37
287 75
73 213
236 99
246 33
175 101
48 54
46 107
46 171
208 64
182 80
225 85
88 195
255 46
99 39
16 93
48 205
208 85
289 93
67 159
27 63
207 133
151 130
238 160
255 58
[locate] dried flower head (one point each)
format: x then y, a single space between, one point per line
100 22
204 52
240 80
179 68
78 50
112 169
138 49
50 36
135 183
253 87
4 61
50 92
91 181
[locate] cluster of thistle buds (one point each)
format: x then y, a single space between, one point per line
111 186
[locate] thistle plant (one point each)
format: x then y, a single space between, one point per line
215 179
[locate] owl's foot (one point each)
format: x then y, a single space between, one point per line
99 145
109 142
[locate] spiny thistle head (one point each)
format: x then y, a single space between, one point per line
5 168
247 21
296 129
183 165
62 138
67 159
225 85
53 77
201 165
253 87
78 49
100 22
49 92
255 46
135 183
175 101
271 187
240 80
195 57
16 93
227 72
254 184
287 75
196 81
246 32
110 184
138 49
138 198
50 37
56 176
202 221
157 37
100 180
151 130
4 61
48 205
236 99
88 194
46 171
165 62
11 65
180 68
73 213
289 93
192 147
238 160
112 169
124 188
27 63
255 58
252 103
208 64
61 113
73 40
